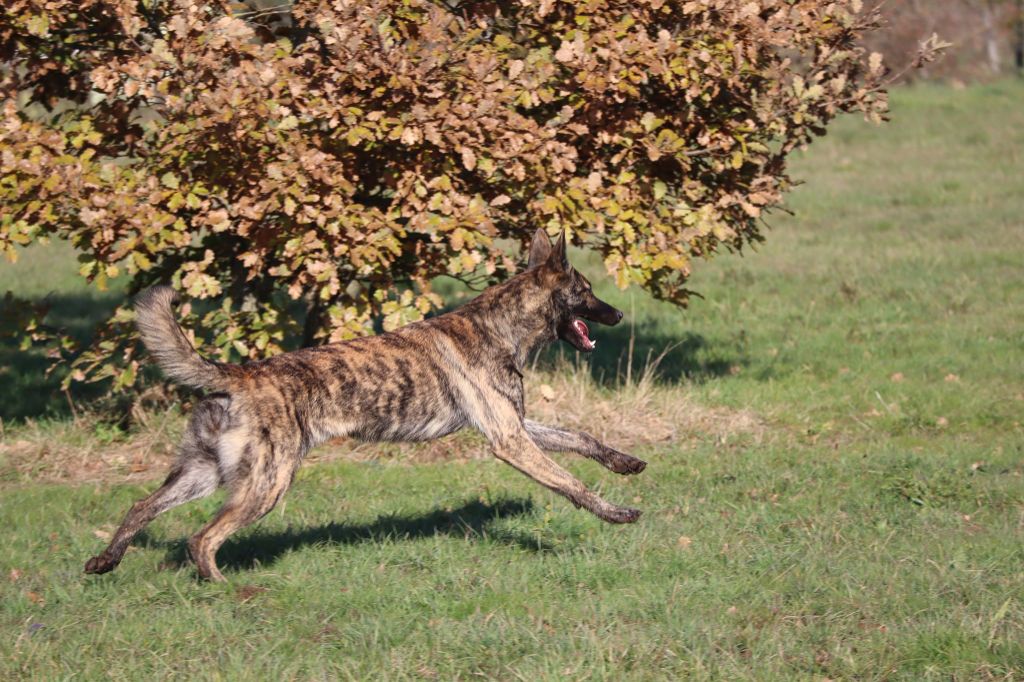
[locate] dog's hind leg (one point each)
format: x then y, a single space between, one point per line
260 482
194 475
562 440
191 478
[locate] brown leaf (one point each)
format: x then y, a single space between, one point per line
566 52
247 592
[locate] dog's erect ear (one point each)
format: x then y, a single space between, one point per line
540 248
559 257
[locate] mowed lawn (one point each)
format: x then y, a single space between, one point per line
871 528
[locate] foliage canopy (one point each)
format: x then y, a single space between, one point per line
350 155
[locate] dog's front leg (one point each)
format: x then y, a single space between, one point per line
515 447
562 440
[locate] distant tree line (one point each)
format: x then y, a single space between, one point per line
987 36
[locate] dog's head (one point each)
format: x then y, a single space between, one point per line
571 293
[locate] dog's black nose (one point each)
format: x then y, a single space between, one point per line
618 316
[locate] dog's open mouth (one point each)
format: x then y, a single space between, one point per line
579 327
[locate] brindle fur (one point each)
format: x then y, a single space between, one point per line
423 381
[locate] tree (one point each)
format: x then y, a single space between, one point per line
351 155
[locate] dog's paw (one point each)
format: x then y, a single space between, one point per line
626 465
620 515
100 564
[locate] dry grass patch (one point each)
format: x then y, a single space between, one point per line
641 413
87 449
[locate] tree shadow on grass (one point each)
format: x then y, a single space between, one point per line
472 519
26 389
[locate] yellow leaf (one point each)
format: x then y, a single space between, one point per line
38 24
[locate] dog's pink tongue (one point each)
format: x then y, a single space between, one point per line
581 327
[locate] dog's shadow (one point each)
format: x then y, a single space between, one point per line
473 519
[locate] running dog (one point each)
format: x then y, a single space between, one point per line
423 381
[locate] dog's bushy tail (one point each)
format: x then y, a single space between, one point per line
167 343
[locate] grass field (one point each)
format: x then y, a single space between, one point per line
835 489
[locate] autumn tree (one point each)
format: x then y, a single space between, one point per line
348 156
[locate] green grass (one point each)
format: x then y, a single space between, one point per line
875 531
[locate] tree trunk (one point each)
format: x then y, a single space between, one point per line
314 320
1019 47
991 37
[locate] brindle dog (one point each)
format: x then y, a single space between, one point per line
423 381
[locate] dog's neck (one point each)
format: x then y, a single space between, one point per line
517 314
